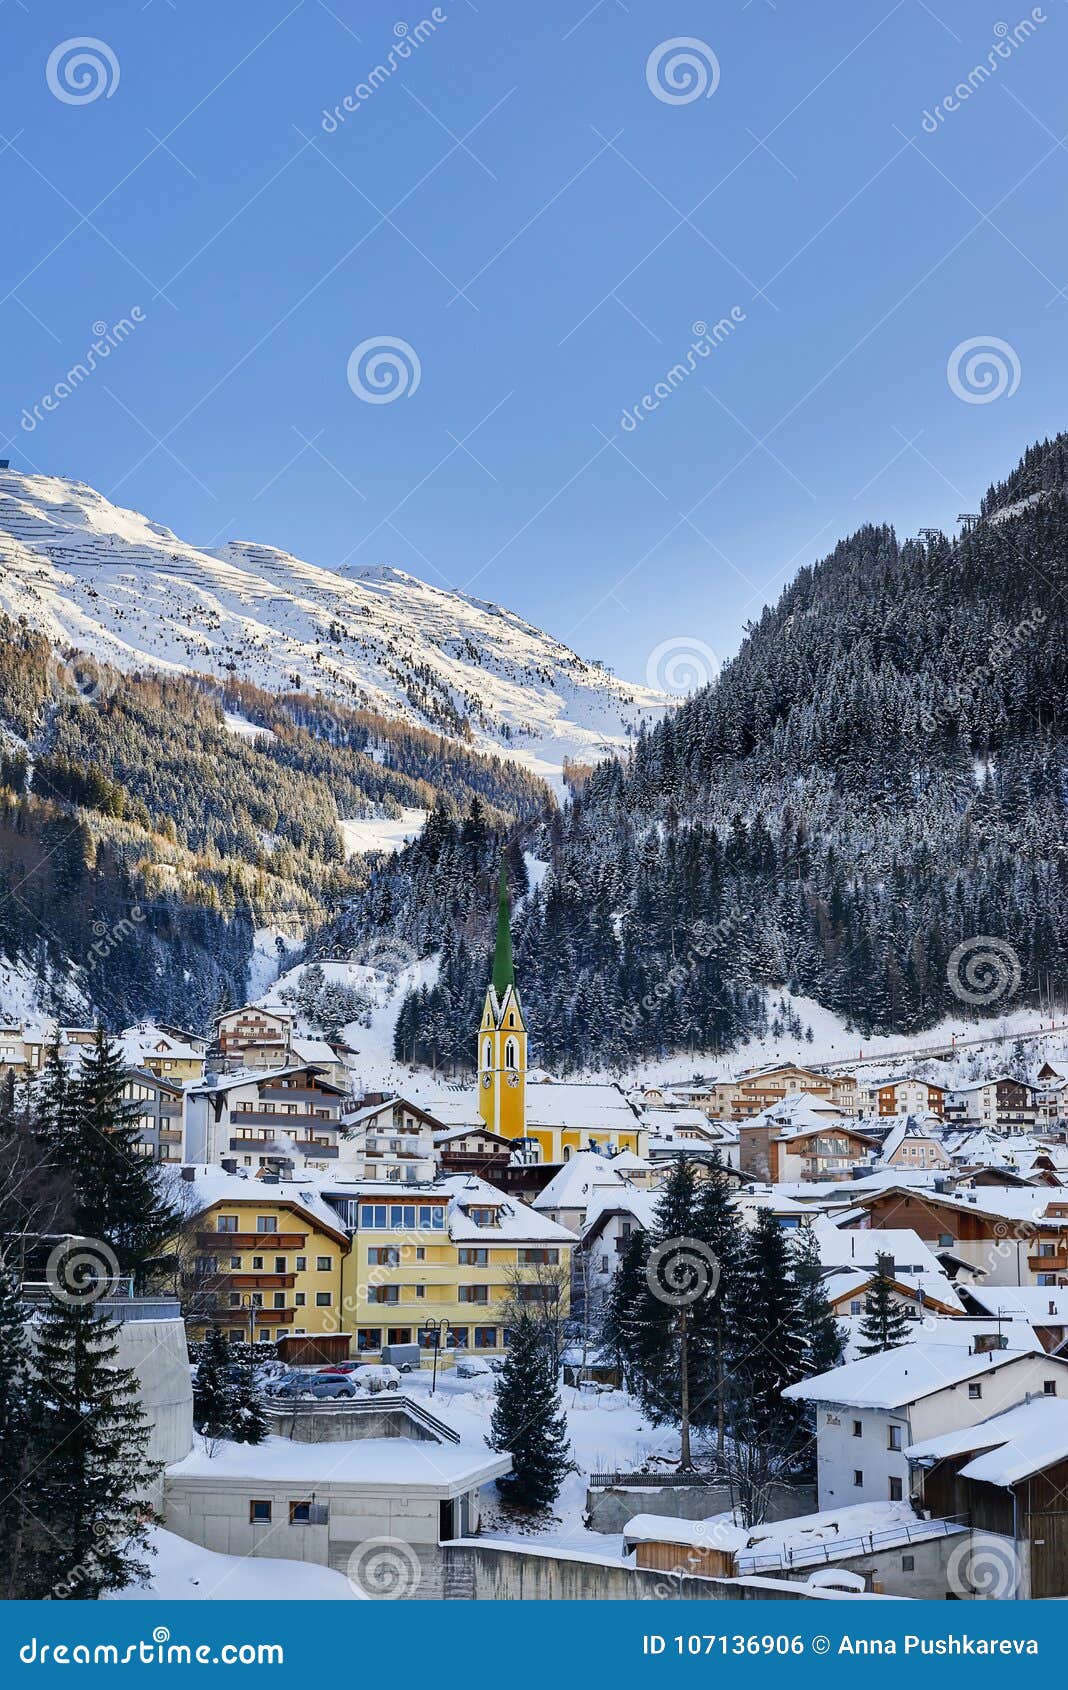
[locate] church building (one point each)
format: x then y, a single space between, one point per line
552 1118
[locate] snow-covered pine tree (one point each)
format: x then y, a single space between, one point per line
213 1393
529 1423
249 1420
119 1197
824 1343
20 1532
92 1477
885 1325
768 1332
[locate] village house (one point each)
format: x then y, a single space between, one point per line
869 1411
278 1121
1013 1235
805 1138
389 1138
1051 1096
909 1144
1003 1104
159 1105
253 1037
262 1261
762 1088
148 1046
909 1096
1008 1476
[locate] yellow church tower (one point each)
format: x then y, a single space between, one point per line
502 1038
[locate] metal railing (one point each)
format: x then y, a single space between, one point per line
839 1549
653 1481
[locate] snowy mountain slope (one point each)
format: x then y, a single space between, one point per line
111 582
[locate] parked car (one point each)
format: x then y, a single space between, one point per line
289 1384
340 1367
316 1387
473 1367
380 1377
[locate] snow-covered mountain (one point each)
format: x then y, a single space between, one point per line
113 583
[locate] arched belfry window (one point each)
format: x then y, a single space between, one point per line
511 1054
487 1054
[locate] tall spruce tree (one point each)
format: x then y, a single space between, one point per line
823 1339
618 1332
119 1196
213 1393
20 1548
885 1325
92 1476
529 1422
249 1421
718 1226
769 1332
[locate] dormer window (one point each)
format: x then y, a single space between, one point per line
484 1216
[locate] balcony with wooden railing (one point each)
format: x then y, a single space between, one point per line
252 1240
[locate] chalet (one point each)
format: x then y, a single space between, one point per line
806 1138
389 1138
762 1088
1008 1475
1051 1096
1015 1236
868 1412
909 1096
171 1058
254 1037
1003 1104
274 1122
909 1144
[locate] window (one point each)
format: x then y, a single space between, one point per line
856 1306
511 1054
908 1563
279 1299
485 1337
895 1490
257 1263
398 1334
266 1223
226 1223
279 1264
858 1428
299 1299
368 1338
974 1392
484 1217
420 1290
458 1337
1049 1387
383 1294
301 1264
384 1255
945 1240
858 1478
322 1299
530 1258
474 1293
236 1334
259 1513
893 1437
235 1261
473 1258
322 1264
300 1513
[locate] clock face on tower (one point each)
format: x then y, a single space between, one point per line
513 1079
487 1081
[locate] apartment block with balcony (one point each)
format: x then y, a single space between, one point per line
261 1260
457 1250
391 1139
281 1121
1002 1104
159 1106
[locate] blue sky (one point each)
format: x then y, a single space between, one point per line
515 203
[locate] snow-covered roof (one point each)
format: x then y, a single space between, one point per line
588 1108
1012 1446
517 1222
211 1185
912 1128
893 1378
627 1200
410 1463
313 1050
180 1571
137 1043
572 1186
755 1544
861 1247
1039 1304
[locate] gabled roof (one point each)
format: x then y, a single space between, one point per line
573 1185
893 1378
1010 1446
518 1222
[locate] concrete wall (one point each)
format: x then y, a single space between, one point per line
490 1573
336 1424
884 1571
609 1510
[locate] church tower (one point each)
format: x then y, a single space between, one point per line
502 1037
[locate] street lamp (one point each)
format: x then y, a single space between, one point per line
251 1305
435 1330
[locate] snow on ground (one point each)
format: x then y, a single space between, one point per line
184 1572
244 728
266 959
382 833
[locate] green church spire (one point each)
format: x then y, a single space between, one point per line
503 969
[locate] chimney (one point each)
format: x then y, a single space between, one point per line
229 1164
885 1264
190 1174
